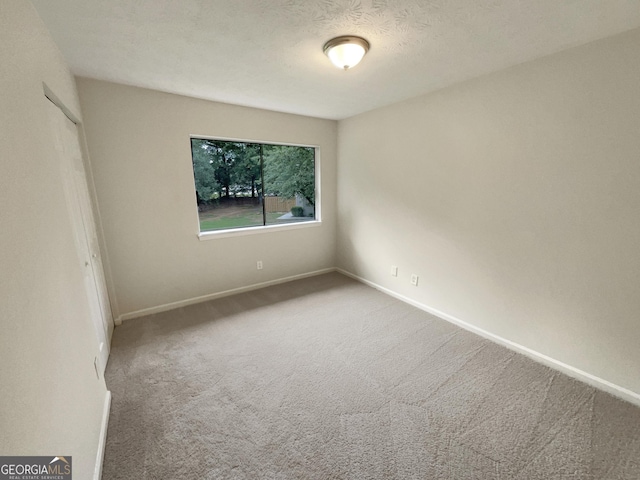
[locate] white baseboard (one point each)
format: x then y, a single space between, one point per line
573 372
102 442
213 296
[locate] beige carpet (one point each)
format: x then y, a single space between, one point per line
325 378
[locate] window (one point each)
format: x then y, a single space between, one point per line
243 184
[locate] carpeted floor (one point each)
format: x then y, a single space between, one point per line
326 378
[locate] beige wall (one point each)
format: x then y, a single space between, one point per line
51 402
516 199
140 152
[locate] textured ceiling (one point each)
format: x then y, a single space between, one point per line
268 53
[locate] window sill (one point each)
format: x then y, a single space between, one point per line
239 232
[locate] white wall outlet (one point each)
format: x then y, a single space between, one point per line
259 264
414 279
394 271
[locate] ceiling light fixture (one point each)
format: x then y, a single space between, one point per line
346 52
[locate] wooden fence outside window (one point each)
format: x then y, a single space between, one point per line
278 204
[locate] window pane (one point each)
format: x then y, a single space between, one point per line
289 184
228 184
242 184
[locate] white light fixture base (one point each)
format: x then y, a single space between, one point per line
346 52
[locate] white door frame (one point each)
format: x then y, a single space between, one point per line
80 208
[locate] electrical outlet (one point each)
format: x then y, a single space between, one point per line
259 264
394 271
414 280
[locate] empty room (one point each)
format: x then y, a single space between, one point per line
344 239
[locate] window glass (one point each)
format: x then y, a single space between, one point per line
242 184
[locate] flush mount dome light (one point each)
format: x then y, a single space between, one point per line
346 51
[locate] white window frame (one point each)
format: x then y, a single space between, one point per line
261 229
